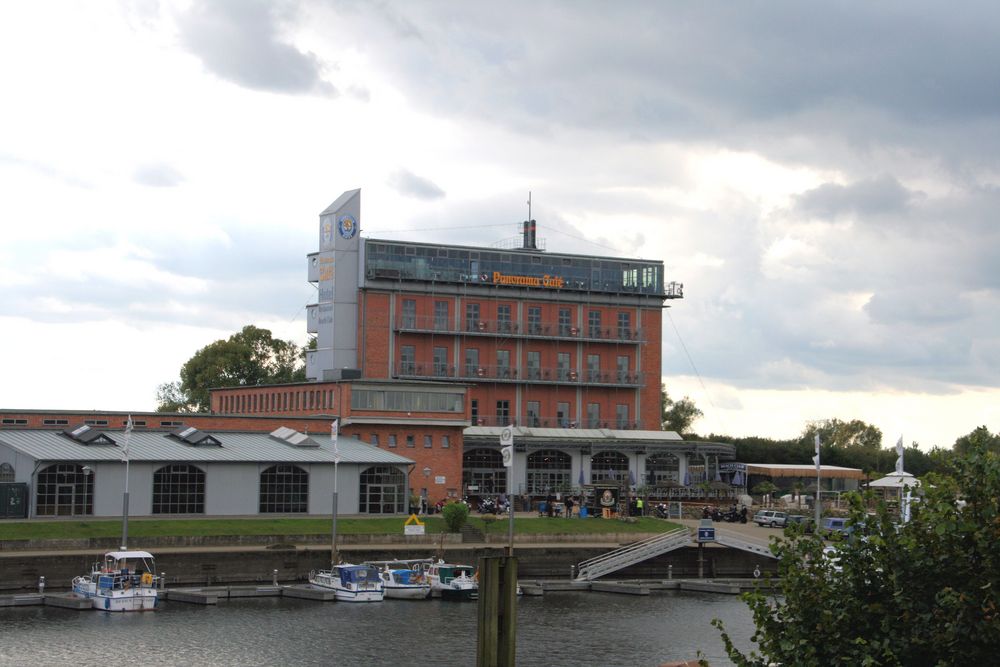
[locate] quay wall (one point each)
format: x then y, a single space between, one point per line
198 567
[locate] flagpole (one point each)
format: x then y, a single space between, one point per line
817 501
125 455
336 462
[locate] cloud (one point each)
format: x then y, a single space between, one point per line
876 196
409 184
157 175
242 41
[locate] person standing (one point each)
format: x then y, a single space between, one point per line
639 506
568 504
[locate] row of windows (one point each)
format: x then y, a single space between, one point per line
563 417
278 401
392 440
474 319
533 370
406 401
67 489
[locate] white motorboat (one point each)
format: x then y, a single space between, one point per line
405 584
124 581
453 582
350 583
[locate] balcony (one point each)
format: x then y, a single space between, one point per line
511 329
520 375
532 421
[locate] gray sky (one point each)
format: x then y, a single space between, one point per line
821 177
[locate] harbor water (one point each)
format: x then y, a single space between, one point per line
566 628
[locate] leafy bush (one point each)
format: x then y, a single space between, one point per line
926 592
455 515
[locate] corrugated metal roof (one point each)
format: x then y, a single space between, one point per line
574 433
49 445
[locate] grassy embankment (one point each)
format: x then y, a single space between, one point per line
139 528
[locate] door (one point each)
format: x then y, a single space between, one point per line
64 499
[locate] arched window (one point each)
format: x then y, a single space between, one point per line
179 488
284 488
549 471
65 489
383 490
608 467
484 469
663 470
6 472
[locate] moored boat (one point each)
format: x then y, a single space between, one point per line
123 581
350 583
450 581
405 584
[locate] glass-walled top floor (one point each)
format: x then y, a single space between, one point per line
396 260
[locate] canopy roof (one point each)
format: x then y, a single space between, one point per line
896 480
804 470
119 555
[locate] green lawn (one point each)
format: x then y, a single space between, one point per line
138 528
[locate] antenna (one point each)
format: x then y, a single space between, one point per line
529 204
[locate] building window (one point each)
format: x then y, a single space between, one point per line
503 363
663 470
594 367
621 416
549 472
179 489
445 441
534 365
284 489
503 318
483 469
562 365
407 360
383 491
534 320
440 361
373 439
594 324
409 320
472 362
622 368
503 413
441 316
472 317
532 413
407 401
428 441
608 467
565 323
593 415
392 439
6 473
65 489
562 415
474 406
410 441
625 325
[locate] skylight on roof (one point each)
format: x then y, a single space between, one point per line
292 437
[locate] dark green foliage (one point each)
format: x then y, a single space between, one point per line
250 357
679 415
925 593
455 516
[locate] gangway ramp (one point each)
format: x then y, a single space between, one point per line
631 554
736 541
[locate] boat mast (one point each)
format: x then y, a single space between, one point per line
125 458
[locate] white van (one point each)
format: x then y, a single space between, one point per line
772 518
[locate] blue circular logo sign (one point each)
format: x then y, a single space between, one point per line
347 226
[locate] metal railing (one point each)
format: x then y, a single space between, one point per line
631 554
519 374
431 324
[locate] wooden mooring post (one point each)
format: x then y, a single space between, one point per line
497 613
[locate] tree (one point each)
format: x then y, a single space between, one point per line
980 436
251 357
455 515
926 592
678 415
843 435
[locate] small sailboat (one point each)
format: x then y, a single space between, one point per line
350 583
123 581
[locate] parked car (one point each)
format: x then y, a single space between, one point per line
835 526
772 518
807 522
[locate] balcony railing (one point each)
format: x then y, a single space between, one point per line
544 330
532 421
475 373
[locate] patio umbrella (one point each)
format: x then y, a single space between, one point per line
718 475
581 476
738 479
687 478
631 478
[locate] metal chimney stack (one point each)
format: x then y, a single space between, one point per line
529 235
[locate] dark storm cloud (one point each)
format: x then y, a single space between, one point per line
157 176
410 185
242 41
